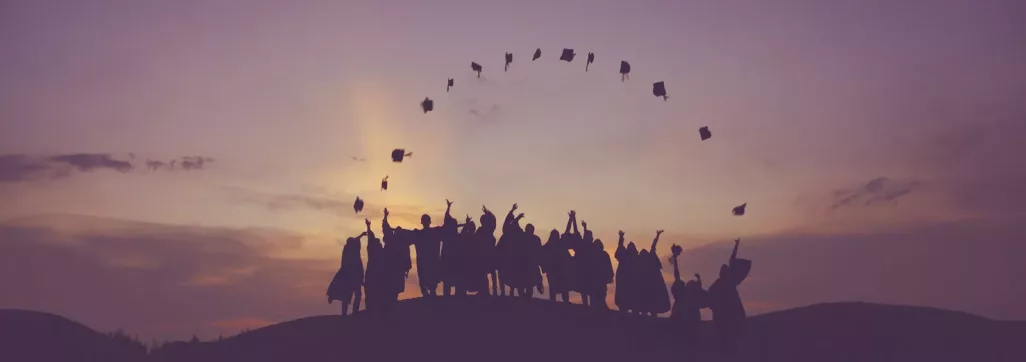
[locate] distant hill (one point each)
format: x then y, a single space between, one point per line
506 329
27 336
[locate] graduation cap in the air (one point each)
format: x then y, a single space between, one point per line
568 55
384 183
704 133
358 205
399 153
449 85
625 70
740 210
476 67
537 54
659 89
509 59
428 105
591 59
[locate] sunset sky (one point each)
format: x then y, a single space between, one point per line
850 121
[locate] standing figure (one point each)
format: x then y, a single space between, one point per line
397 260
377 272
484 244
347 285
655 298
603 270
451 273
572 240
527 254
627 293
724 300
556 260
511 233
688 300
428 244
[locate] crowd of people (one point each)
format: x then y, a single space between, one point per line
466 259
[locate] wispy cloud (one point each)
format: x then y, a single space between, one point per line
880 189
338 205
25 168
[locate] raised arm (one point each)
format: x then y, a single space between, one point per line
569 221
509 216
385 227
676 269
733 255
655 241
368 232
576 232
584 224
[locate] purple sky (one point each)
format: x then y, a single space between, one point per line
843 124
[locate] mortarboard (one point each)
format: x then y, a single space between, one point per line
704 133
476 67
399 153
428 105
591 59
740 210
625 70
568 55
449 85
537 54
358 205
384 183
659 89
509 59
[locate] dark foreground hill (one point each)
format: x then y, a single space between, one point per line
36 336
504 329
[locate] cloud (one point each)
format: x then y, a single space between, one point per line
26 168
331 204
880 189
161 280
86 162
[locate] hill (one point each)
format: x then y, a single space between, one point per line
506 329
28 336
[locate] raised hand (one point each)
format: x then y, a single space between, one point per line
737 241
659 232
484 209
584 224
621 233
366 221
514 207
469 220
386 212
520 216
448 203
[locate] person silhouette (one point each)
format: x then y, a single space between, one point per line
504 251
688 299
571 240
464 267
377 272
584 282
603 271
556 258
526 265
627 295
397 260
451 253
729 316
347 285
655 298
427 241
484 244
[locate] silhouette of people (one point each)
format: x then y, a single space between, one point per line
556 260
428 243
627 294
572 240
584 282
688 299
484 245
451 268
526 255
397 260
504 250
602 267
655 298
375 283
347 285
728 312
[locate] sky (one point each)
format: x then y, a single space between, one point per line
886 127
